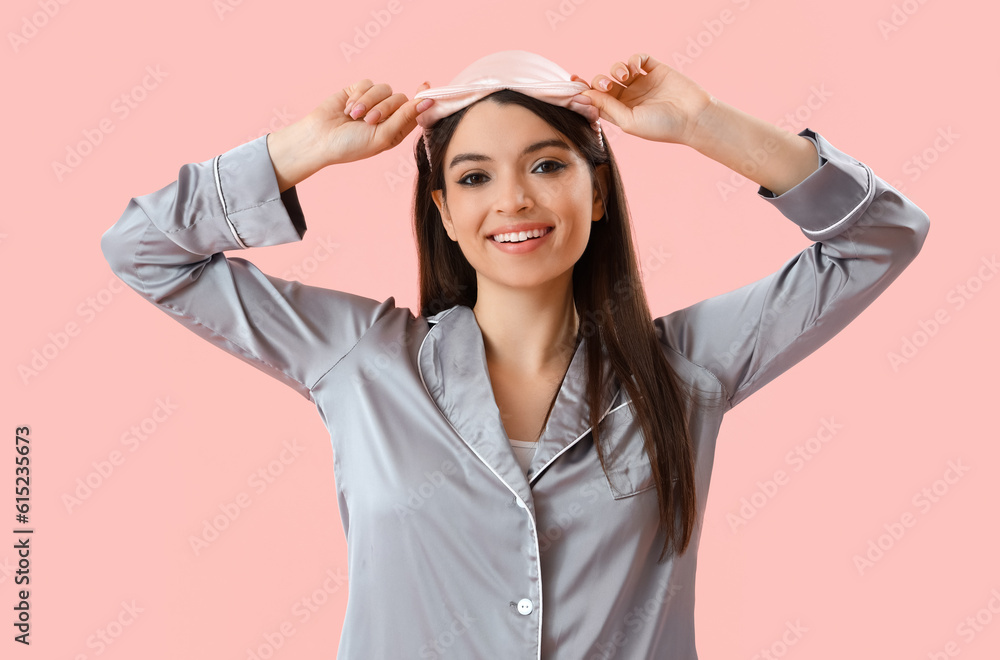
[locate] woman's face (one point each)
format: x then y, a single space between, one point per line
501 170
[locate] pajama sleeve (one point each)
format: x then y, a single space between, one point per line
168 246
865 234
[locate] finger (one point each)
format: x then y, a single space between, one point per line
620 72
401 120
642 63
609 107
384 109
607 84
367 93
354 92
376 94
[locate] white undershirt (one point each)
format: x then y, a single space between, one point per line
523 451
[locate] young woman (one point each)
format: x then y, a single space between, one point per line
532 432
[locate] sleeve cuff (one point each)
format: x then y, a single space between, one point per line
829 200
257 214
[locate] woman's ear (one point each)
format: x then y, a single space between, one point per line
442 204
603 174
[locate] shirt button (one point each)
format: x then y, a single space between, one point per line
520 502
524 606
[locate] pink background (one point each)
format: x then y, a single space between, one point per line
232 76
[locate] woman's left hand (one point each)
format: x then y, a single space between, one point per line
661 104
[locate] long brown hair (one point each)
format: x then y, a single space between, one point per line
609 299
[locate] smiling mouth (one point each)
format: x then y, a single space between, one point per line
520 237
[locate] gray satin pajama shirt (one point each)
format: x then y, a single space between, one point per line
453 550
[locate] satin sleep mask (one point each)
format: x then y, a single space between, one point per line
519 70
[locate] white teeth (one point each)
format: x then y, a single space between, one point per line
520 236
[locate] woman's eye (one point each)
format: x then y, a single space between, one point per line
557 165
465 182
553 166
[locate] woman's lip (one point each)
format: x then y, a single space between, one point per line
515 229
522 247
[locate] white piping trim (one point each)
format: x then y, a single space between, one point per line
531 516
537 550
850 214
222 200
589 429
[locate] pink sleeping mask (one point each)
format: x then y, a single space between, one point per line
519 70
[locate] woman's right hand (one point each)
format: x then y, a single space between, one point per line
329 135
380 121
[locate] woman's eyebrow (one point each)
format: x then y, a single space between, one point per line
553 142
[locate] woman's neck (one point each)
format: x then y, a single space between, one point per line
531 332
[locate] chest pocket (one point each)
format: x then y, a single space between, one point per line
629 472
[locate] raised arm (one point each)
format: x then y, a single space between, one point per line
168 245
865 231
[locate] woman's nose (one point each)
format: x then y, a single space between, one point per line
513 196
